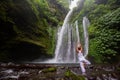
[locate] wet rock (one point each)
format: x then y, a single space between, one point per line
10 64
53 72
9 71
98 78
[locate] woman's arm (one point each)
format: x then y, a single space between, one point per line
77 49
81 49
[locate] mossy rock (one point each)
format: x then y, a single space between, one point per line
73 76
51 69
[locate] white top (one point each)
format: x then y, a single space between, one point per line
80 56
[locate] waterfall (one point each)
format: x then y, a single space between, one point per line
69 43
73 4
67 52
77 32
67 37
60 37
85 27
64 48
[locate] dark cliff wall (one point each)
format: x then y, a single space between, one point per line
27 29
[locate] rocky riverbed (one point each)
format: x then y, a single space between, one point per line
11 71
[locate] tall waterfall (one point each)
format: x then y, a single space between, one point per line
85 27
65 43
61 35
67 37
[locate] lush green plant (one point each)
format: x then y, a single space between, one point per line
108 37
72 76
103 31
51 69
65 3
28 27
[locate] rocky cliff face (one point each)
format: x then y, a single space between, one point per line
27 28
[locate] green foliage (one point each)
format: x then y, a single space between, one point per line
65 3
93 50
51 69
28 23
72 76
104 35
108 36
51 32
98 11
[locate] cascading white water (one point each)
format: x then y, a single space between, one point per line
86 23
60 37
67 37
77 32
69 43
73 3
63 48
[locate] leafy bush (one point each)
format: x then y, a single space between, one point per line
108 36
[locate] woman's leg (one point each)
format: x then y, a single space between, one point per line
82 67
86 61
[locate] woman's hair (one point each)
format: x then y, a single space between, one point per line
79 48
